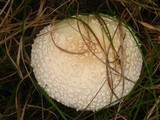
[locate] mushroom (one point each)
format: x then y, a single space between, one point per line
87 62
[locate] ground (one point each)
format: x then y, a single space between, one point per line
20 21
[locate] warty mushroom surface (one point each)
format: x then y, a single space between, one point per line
87 62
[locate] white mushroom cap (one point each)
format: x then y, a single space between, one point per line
86 63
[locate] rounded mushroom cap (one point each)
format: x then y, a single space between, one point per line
86 62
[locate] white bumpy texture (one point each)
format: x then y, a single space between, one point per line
87 62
